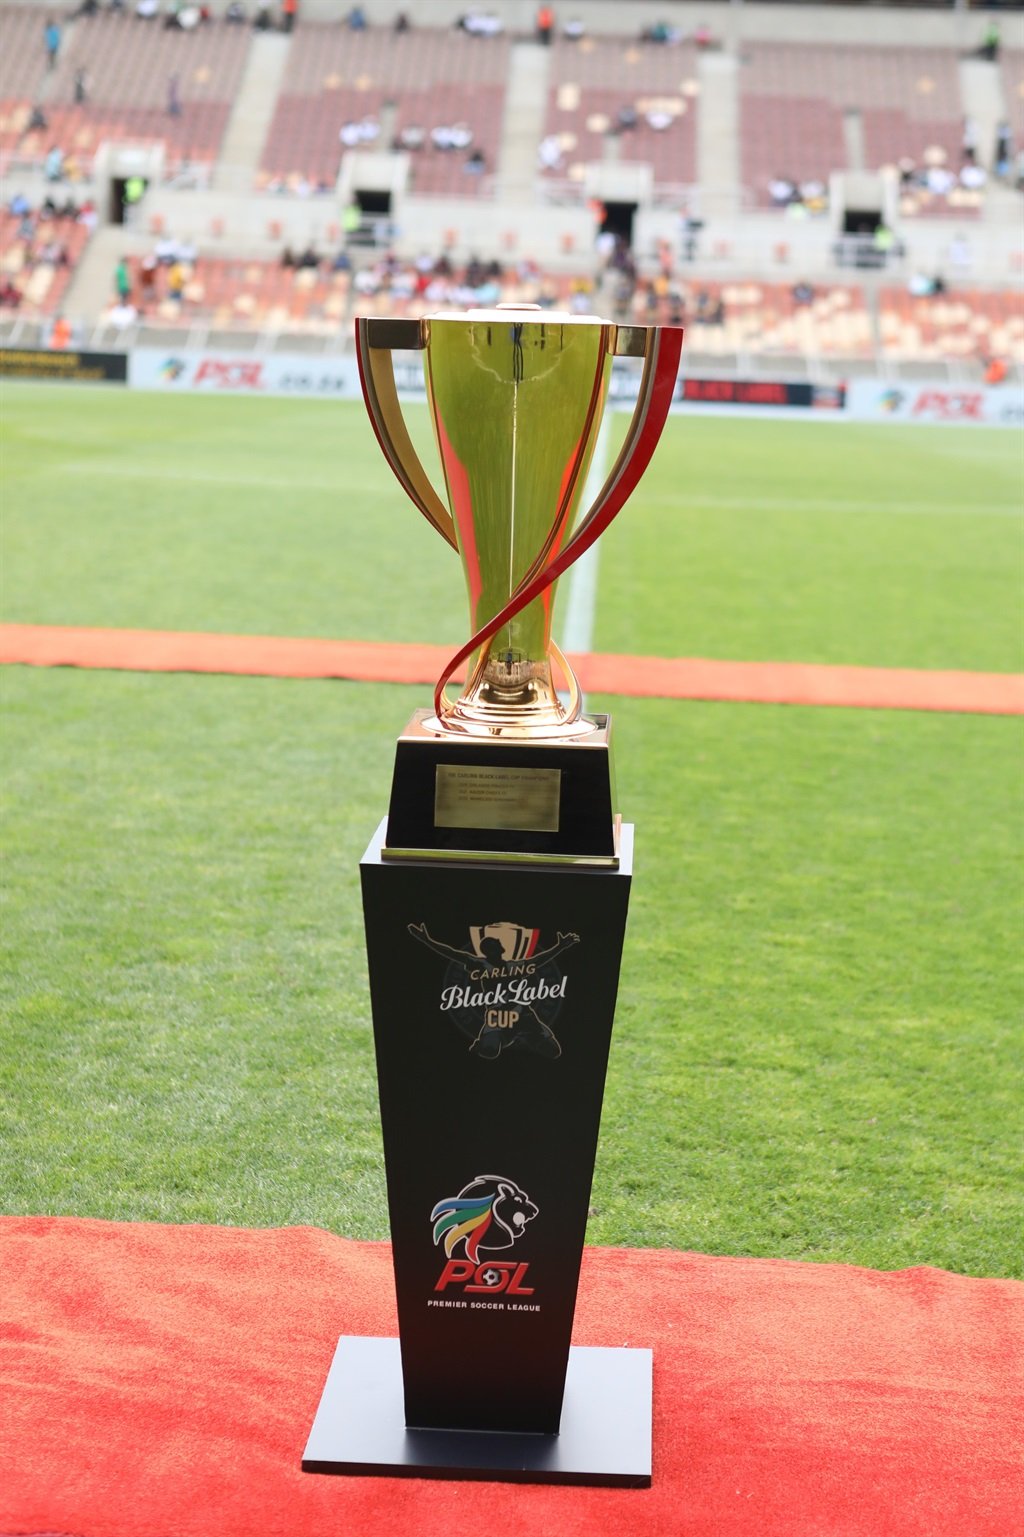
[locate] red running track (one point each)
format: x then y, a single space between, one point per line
877 688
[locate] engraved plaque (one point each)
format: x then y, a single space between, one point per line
514 799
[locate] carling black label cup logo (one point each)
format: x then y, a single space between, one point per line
502 989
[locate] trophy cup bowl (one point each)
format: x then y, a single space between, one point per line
516 397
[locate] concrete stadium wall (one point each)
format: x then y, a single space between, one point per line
732 23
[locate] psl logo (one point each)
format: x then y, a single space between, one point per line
488 1214
502 991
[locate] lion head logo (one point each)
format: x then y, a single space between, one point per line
488 1213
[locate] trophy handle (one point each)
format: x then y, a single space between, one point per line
375 341
660 347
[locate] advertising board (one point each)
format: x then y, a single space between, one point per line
75 367
946 405
243 373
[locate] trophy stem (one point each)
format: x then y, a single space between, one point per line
512 696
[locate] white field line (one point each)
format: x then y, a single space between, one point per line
698 502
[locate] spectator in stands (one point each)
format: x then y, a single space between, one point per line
289 14
80 91
402 23
1002 156
940 180
176 280
263 20
309 258
54 253
782 190
448 136
173 96
573 30
53 166
814 196
147 278
802 293
883 240
123 281
709 310
549 152
87 8
969 140
356 19
990 43
146 10
60 334
545 25
626 118
122 315
37 122
973 177
661 32
235 14
475 163
996 370
51 42
412 136
480 24
10 294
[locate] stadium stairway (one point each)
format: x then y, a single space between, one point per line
523 128
91 290
252 112
718 134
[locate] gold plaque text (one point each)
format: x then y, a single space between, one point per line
511 799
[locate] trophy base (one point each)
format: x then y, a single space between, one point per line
456 796
496 730
605 1435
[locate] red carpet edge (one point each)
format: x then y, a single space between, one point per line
877 688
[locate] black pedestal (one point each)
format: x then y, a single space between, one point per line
493 990
605 1437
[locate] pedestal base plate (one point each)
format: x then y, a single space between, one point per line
605 1431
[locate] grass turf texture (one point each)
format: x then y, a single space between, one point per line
748 540
814 1053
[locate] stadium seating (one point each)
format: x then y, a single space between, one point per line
248 295
594 80
41 283
424 79
128 66
766 319
794 97
966 326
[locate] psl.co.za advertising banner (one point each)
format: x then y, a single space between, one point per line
243 373
946 405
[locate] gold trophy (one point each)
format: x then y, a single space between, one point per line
516 397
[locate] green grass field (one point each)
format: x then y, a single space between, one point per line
818 1043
